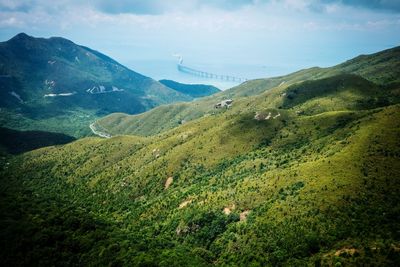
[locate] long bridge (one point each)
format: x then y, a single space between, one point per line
204 74
208 75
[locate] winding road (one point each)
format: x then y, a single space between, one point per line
98 133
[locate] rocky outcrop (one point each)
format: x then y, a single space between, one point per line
224 103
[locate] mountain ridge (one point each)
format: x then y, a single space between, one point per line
374 67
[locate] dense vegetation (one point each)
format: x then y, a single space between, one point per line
301 174
305 173
56 85
194 90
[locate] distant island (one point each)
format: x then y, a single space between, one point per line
193 90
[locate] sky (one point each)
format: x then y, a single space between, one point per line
246 38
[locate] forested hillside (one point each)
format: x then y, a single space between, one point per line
305 173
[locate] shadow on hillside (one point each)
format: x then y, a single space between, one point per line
16 142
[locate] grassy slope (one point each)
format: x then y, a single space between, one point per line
382 68
320 184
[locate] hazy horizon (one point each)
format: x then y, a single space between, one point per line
251 39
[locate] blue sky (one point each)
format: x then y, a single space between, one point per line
281 35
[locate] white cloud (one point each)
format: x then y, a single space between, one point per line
269 31
10 22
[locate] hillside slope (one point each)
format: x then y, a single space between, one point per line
56 85
382 68
302 175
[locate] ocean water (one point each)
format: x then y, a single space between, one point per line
167 69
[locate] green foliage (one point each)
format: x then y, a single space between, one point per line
104 202
316 185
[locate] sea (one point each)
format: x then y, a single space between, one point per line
167 69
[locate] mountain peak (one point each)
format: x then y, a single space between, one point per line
25 37
21 36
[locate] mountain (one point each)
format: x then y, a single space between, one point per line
305 173
56 85
382 68
193 90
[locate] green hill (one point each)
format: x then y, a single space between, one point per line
382 68
193 90
306 173
55 85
